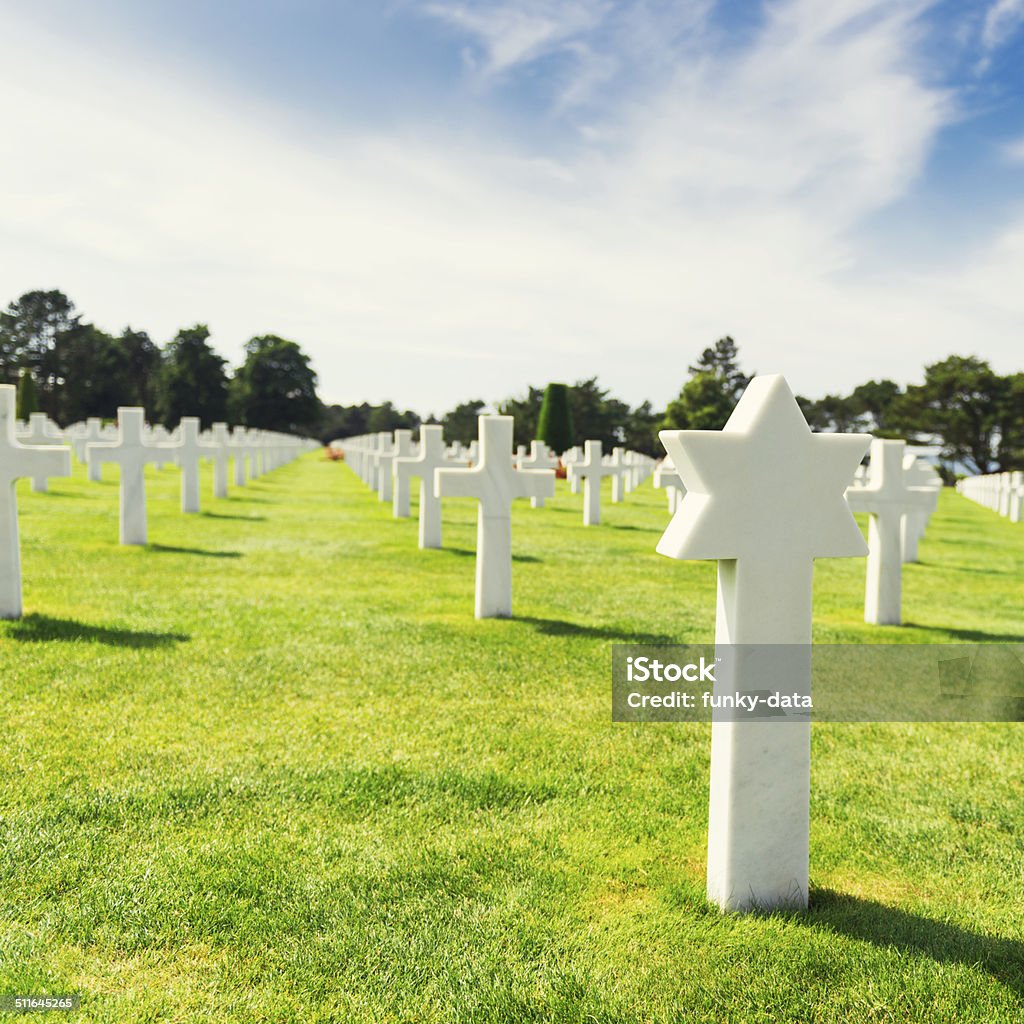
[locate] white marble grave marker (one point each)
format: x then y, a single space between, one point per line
221 451
764 498
540 457
41 433
888 499
591 468
17 461
432 455
188 450
400 488
495 483
131 453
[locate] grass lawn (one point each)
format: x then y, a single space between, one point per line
269 768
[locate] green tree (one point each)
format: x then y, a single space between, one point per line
86 371
705 402
387 417
141 369
28 397
596 416
554 424
642 430
275 388
526 412
722 361
967 408
29 328
192 379
461 423
873 402
833 414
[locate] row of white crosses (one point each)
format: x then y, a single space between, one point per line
1001 492
900 494
627 470
496 477
135 446
41 452
486 470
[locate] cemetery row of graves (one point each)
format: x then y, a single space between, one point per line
806 486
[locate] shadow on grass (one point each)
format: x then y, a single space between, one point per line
559 627
168 549
41 628
248 499
465 552
639 529
970 636
890 927
241 519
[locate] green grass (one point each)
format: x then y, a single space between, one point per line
271 769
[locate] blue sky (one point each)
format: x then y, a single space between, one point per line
445 199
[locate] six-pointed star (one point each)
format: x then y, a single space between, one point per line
764 482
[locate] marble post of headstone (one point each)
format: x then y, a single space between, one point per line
238 453
591 468
431 455
400 485
41 433
918 474
131 453
617 462
540 457
574 454
887 499
93 435
385 456
188 450
164 441
220 451
665 475
764 499
495 483
17 461
1016 496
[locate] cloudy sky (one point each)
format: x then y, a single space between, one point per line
445 199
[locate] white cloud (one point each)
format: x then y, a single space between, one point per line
427 269
1002 20
513 34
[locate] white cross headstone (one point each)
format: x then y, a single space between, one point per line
590 469
574 454
495 483
131 453
163 440
617 462
432 455
400 485
540 457
238 451
917 473
188 450
220 452
764 498
41 433
94 434
17 461
666 476
887 498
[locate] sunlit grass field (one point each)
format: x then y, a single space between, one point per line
270 768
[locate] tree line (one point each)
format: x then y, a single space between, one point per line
974 415
71 369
